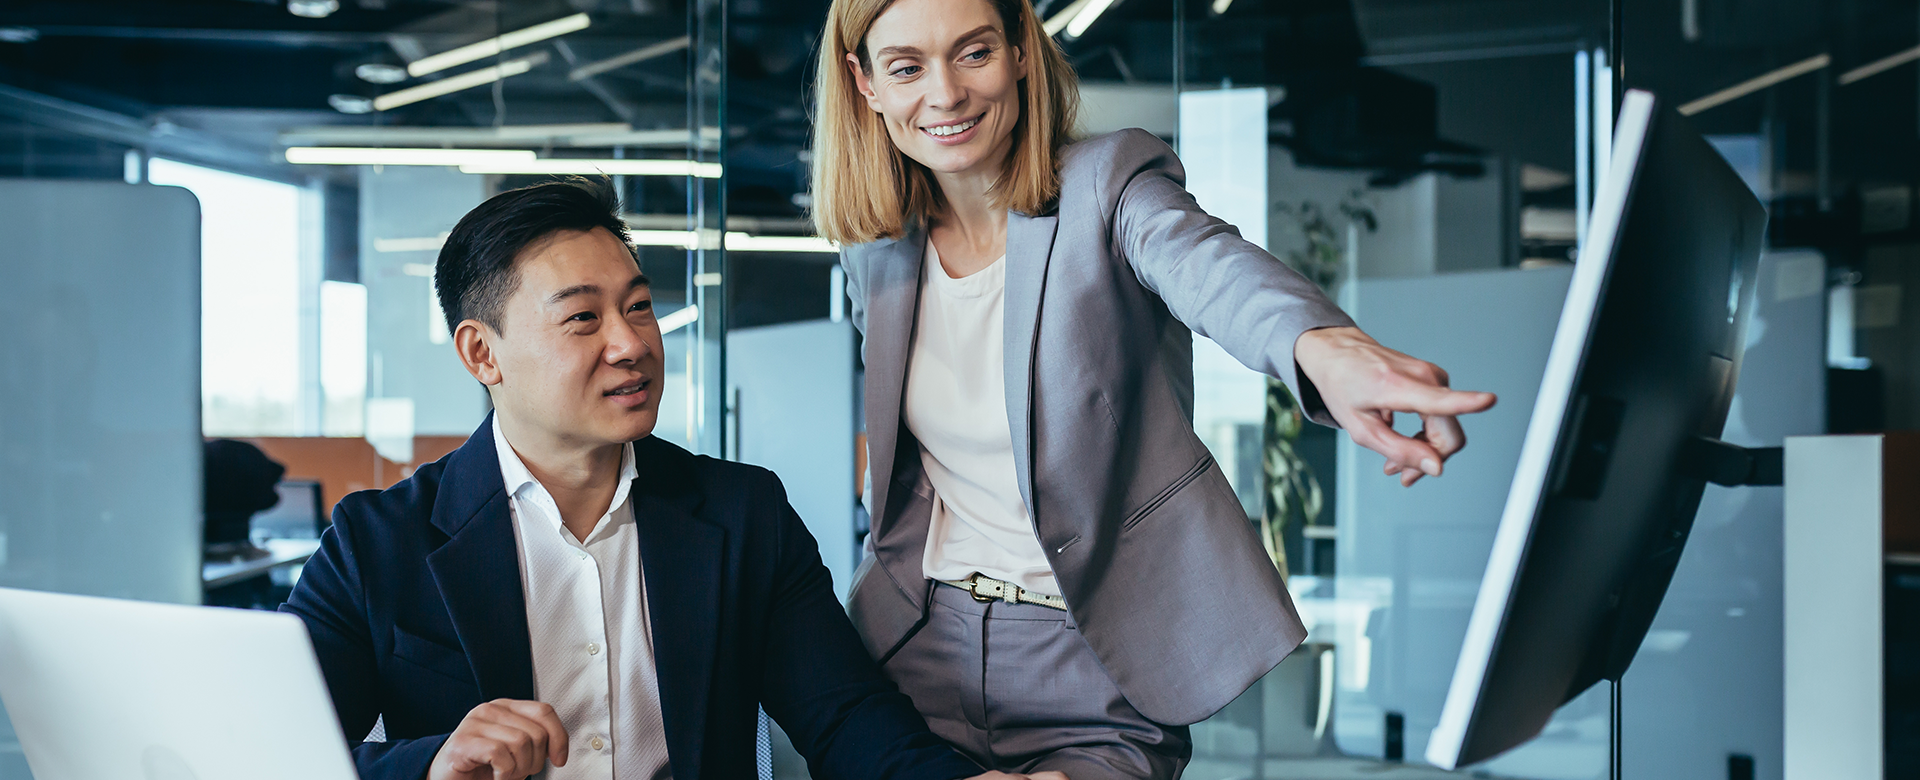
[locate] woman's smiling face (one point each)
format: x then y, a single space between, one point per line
946 79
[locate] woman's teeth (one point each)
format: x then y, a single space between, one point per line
947 130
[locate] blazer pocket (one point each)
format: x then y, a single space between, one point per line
1161 498
431 656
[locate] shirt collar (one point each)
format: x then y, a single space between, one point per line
516 477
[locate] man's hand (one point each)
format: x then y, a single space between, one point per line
1005 776
1363 384
504 739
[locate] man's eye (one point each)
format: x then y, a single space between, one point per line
642 306
585 316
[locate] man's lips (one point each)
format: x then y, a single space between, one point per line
632 393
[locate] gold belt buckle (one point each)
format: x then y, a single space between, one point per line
973 589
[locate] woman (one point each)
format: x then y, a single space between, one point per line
1060 575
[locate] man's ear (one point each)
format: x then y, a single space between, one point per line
862 82
473 341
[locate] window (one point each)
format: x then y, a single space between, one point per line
250 296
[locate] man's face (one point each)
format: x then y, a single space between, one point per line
578 357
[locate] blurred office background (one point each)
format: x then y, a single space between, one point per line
1429 161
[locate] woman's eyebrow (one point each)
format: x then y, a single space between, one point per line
975 33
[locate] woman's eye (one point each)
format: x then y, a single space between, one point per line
977 55
906 71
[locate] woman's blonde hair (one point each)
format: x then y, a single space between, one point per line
865 189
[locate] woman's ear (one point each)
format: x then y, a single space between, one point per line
862 82
1020 62
470 340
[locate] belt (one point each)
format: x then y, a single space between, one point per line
986 589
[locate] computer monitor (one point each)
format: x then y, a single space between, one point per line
297 516
1622 439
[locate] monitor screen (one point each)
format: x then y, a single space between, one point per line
1641 372
297 516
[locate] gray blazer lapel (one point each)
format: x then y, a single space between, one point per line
893 302
1029 245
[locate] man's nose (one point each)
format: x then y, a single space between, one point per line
625 343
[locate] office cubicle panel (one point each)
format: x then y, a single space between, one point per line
100 389
99 394
791 403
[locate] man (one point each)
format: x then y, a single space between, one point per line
564 591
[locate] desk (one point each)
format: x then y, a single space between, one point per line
282 552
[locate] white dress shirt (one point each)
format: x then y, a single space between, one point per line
956 405
587 617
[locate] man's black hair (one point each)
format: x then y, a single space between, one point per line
475 273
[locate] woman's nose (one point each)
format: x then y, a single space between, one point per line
943 90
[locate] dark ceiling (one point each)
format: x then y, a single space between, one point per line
81 81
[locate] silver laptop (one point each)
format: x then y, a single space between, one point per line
109 689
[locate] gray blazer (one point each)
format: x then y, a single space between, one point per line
1154 554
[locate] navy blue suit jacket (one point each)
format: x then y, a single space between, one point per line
416 611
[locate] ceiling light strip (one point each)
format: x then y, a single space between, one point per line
1880 66
660 49
1756 84
452 84
1059 21
341 155
679 318
495 45
1086 17
560 166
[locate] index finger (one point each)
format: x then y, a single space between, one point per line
1433 400
543 716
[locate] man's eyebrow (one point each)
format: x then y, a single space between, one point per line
578 289
639 281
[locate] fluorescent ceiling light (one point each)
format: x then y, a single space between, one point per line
349 155
1221 6
1059 21
452 84
565 165
1084 19
735 242
494 46
1756 84
419 244
742 242
1880 65
678 319
643 54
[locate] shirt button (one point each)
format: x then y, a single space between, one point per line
596 743
581 553
593 648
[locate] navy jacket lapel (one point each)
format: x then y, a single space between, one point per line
478 569
682 557
1029 245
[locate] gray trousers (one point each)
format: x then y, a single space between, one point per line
1016 688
